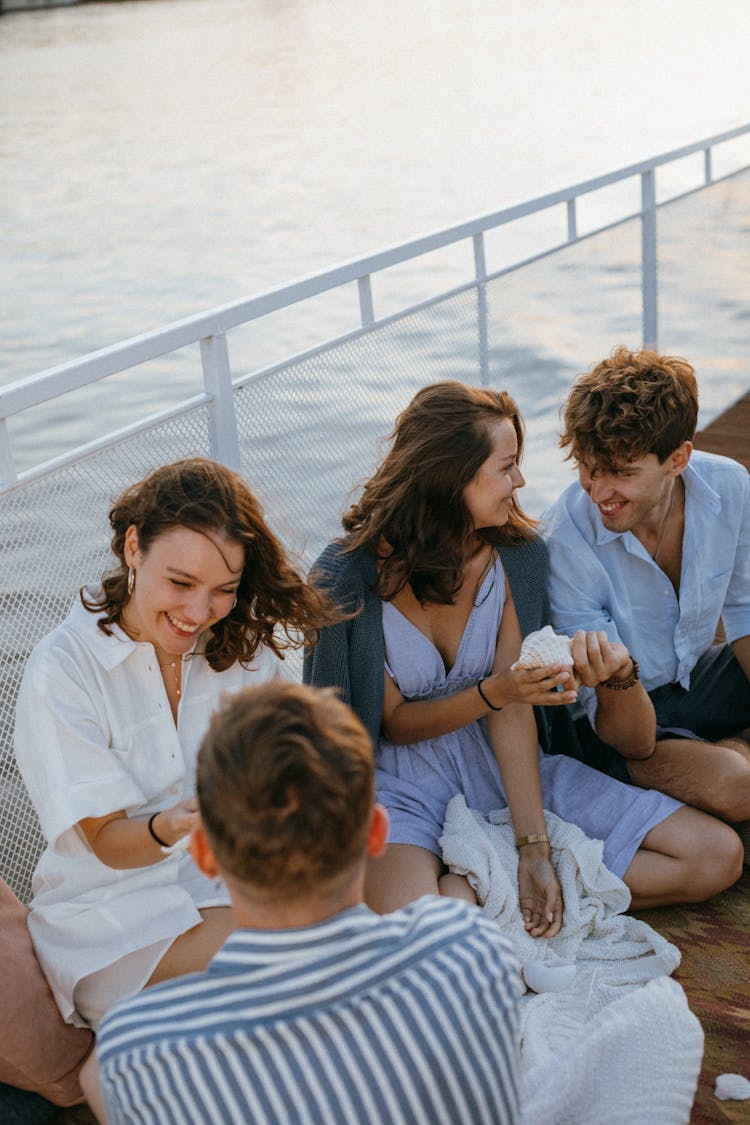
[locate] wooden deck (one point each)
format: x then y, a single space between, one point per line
729 434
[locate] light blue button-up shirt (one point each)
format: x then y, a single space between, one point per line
607 580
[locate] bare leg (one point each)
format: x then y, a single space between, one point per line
402 874
193 950
457 886
689 857
710 776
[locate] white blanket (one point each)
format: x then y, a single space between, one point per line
620 1044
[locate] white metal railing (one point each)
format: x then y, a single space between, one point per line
210 329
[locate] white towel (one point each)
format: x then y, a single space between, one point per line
619 1045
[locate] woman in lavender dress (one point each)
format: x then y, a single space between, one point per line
442 573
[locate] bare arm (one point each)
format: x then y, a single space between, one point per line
122 843
741 649
624 719
406 721
513 736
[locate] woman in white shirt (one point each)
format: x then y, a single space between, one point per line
111 712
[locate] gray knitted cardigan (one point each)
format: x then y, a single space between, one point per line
351 656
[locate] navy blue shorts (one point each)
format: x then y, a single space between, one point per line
716 706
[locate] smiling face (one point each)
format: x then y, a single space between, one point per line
184 584
637 493
489 494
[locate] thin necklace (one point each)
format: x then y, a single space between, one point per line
665 524
177 674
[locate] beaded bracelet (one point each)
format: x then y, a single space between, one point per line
151 819
630 681
484 697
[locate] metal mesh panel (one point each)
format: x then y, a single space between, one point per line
704 288
308 434
55 538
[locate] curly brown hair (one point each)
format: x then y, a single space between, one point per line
414 502
629 405
285 784
204 495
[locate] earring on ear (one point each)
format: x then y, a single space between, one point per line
234 603
131 581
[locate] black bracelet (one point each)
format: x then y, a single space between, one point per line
151 819
486 700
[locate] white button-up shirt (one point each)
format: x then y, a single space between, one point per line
95 734
607 580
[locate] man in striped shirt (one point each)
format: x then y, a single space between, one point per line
316 1009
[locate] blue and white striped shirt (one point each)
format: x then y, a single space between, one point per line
410 1017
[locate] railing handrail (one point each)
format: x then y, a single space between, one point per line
210 327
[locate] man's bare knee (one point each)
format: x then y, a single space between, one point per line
709 776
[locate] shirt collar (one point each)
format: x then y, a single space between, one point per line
245 944
698 490
109 651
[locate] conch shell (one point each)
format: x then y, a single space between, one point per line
544 647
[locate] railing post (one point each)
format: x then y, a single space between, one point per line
217 379
480 269
8 475
649 280
366 310
572 223
707 170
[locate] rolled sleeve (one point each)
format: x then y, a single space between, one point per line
62 749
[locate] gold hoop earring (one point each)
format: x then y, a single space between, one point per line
131 581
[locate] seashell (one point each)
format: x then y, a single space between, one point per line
732 1086
180 845
542 648
551 975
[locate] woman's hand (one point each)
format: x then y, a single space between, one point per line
539 892
537 687
170 825
597 659
122 842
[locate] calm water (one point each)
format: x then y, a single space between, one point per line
165 156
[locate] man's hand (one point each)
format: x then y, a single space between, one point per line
597 659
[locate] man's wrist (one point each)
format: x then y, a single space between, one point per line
623 683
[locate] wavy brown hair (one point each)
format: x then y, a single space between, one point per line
629 405
414 502
276 607
285 784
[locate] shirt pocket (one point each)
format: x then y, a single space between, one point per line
150 753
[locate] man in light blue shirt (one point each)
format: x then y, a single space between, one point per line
652 548
315 1008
